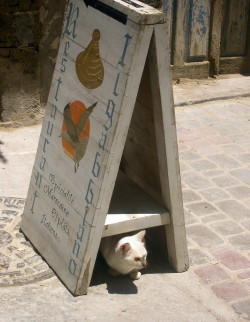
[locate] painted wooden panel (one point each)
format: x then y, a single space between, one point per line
235 28
99 66
180 32
198 30
203 31
191 19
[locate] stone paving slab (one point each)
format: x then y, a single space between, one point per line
17 153
215 168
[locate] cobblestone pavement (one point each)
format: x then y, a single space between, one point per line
214 147
19 263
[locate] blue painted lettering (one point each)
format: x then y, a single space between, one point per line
33 202
96 166
71 20
38 178
46 141
116 83
59 80
72 266
53 112
80 233
63 62
76 248
42 163
66 47
109 112
127 42
102 141
50 128
90 194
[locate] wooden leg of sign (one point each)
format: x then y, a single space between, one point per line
164 118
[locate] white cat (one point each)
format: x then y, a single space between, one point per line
126 255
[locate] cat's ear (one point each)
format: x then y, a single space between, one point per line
140 235
124 248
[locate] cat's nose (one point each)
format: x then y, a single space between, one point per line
144 263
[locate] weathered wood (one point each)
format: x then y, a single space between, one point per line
123 223
235 44
206 33
198 30
215 36
179 38
140 161
167 149
234 29
93 93
191 31
131 208
168 9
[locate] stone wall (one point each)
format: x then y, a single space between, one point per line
51 18
30 34
29 39
19 61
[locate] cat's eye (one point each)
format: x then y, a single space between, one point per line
137 259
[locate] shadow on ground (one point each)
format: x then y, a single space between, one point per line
157 264
2 157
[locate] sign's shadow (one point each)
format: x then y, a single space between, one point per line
115 285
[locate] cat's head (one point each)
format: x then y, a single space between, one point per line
133 251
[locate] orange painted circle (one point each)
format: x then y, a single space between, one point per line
77 108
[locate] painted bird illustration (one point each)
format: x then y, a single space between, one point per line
74 134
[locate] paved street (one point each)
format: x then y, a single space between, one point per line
214 148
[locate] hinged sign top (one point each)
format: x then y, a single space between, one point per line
123 10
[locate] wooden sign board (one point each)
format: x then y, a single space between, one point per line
101 58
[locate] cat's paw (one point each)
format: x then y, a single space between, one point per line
113 272
135 275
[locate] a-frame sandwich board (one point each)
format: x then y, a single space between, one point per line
113 62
